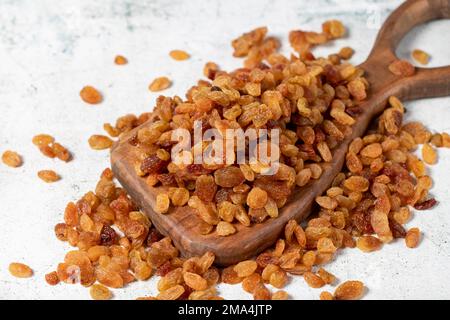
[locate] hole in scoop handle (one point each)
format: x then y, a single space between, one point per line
425 83
409 15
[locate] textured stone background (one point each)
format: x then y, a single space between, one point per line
50 49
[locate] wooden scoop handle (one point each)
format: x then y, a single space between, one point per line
426 82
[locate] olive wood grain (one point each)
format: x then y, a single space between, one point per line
180 223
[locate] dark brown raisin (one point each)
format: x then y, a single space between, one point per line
107 236
425 205
266 258
167 179
153 164
187 291
153 236
319 135
354 111
397 229
164 269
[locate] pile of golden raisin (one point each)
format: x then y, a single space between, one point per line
365 207
311 101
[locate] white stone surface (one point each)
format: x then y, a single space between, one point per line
50 49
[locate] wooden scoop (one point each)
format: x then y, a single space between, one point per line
180 223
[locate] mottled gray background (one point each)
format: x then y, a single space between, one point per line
50 49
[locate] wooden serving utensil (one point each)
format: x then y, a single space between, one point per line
180 222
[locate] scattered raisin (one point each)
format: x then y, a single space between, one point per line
12 159
425 205
91 95
20 270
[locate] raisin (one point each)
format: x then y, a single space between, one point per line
195 281
412 238
20 270
12 159
362 222
420 56
313 280
108 236
265 259
349 290
326 276
91 95
164 269
100 292
276 190
167 179
52 278
179 197
425 205
261 292
245 268
278 278
43 140
402 68
357 183
179 55
257 198
48 176
210 70
100 142
223 195
159 84
205 188
333 29
429 154
230 276
61 231
325 295
354 111
172 293
229 177
397 229
225 229
368 243
373 150
250 283
187 292
197 169
153 164
120 60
